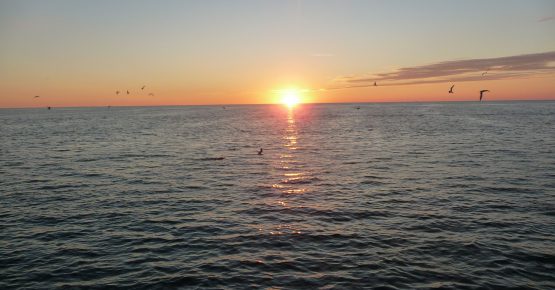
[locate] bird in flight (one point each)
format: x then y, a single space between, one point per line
451 89
143 87
36 97
482 94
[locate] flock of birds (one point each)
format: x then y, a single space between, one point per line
453 86
375 84
481 92
117 93
142 89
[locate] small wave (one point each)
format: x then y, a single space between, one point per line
372 182
61 186
300 180
210 158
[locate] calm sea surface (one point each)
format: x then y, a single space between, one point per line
390 196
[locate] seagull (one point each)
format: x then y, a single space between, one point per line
260 152
451 89
128 92
143 87
36 97
481 94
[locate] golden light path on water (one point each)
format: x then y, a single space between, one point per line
293 176
292 179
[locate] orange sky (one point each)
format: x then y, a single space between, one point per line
537 88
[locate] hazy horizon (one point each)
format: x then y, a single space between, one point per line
279 104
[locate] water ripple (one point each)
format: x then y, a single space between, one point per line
391 196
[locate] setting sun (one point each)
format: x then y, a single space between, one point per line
290 97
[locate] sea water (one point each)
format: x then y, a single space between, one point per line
398 196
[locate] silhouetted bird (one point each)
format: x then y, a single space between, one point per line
482 94
451 89
143 87
260 152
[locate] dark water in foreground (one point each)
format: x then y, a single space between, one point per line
398 196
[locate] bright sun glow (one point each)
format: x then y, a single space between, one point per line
290 97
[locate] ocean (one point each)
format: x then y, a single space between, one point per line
343 196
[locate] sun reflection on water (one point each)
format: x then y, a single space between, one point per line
293 178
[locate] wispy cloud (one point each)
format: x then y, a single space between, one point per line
322 55
547 18
517 66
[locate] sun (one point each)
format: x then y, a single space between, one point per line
290 97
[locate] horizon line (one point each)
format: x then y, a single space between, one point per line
300 104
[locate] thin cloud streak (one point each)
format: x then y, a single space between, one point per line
322 55
510 67
547 18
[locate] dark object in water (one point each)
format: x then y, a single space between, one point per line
49 108
212 158
260 152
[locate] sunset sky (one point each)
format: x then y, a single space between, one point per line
79 53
